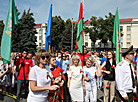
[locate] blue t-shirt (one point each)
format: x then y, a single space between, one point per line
33 62
103 60
64 65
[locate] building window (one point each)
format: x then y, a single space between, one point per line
40 31
92 44
128 28
86 37
121 28
39 44
40 37
86 43
128 44
128 36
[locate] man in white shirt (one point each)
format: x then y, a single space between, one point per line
125 77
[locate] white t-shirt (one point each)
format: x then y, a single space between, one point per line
40 76
90 73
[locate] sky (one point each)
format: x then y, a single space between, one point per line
69 8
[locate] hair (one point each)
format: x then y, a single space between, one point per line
75 57
25 49
51 56
113 54
40 53
62 55
89 58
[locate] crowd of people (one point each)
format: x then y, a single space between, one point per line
66 77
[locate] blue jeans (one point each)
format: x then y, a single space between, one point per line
99 81
19 87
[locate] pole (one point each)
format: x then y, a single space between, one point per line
42 36
72 37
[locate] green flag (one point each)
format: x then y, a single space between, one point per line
11 20
79 31
117 37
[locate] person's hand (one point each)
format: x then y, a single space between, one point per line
125 98
22 62
108 72
57 80
54 87
61 83
87 79
84 89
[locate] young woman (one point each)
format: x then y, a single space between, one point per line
75 79
3 76
109 77
58 79
90 70
40 79
64 63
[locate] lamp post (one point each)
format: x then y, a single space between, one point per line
72 37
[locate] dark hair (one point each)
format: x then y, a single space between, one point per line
62 55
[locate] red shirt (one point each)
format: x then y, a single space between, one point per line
27 63
81 57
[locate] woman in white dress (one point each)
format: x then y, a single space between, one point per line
76 80
40 79
90 70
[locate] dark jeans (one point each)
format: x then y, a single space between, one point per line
66 94
120 98
19 87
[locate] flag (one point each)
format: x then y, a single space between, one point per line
82 8
11 20
80 30
117 37
49 31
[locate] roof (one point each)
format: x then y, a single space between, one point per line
38 25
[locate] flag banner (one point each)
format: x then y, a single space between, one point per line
11 20
80 31
117 37
48 31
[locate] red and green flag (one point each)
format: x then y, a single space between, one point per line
11 20
79 43
117 37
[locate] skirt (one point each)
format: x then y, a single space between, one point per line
76 94
3 80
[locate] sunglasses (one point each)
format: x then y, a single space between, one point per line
64 56
45 57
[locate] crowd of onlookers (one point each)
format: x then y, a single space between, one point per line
61 76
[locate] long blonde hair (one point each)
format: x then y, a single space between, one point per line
75 57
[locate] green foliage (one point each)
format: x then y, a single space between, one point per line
1 29
24 34
58 27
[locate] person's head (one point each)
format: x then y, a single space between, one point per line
25 53
42 57
89 61
110 55
89 53
33 56
30 55
128 54
52 60
56 54
67 58
85 50
0 58
75 60
59 53
63 56
12 55
96 54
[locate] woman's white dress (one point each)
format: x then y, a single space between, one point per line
76 87
40 76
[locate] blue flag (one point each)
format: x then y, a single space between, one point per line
49 30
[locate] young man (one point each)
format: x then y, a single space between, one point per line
125 77
23 66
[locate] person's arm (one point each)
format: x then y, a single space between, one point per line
34 88
98 72
69 79
18 65
4 72
84 89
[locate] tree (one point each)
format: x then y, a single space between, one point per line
93 31
58 27
1 29
25 33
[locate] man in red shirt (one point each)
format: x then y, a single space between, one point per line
85 55
26 64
